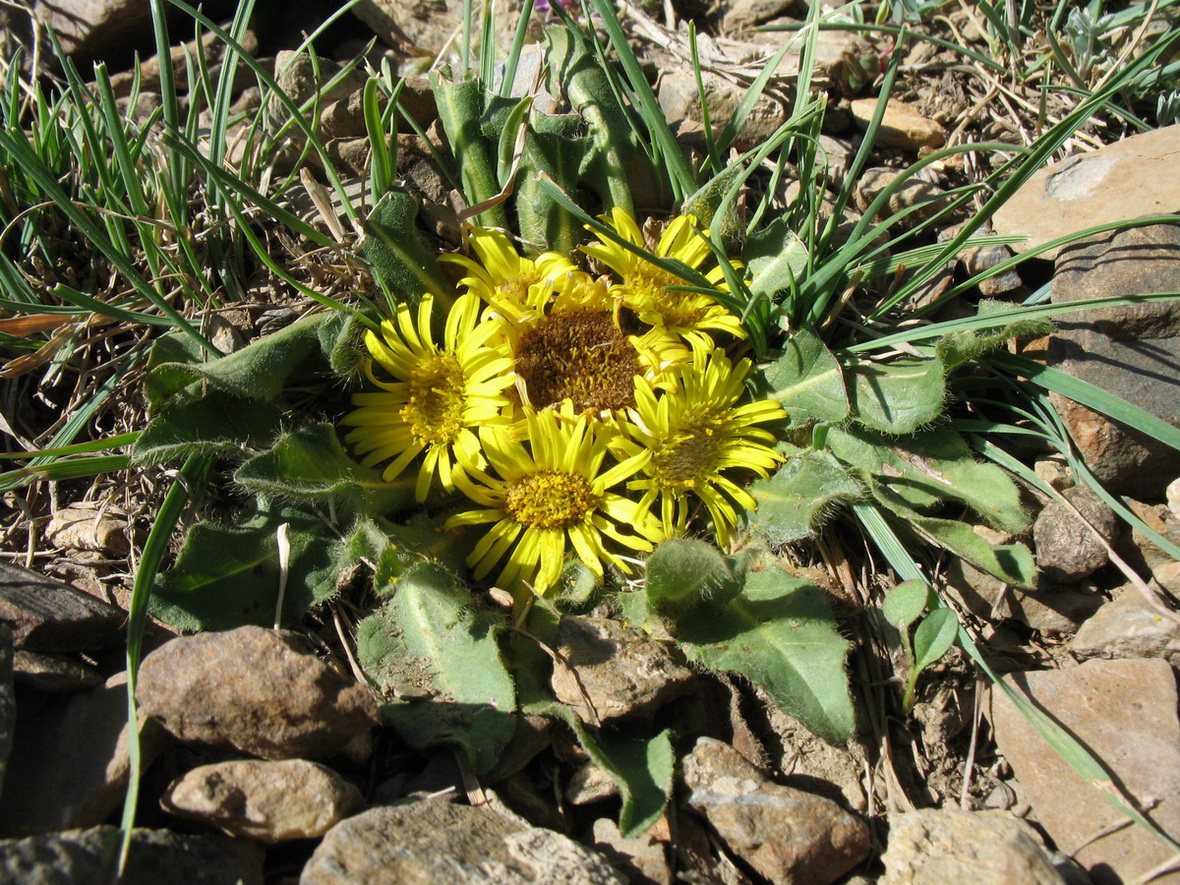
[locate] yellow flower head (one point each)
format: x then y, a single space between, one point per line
571 346
648 290
503 278
696 433
436 397
547 495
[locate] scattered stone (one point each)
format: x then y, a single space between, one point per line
1067 550
902 126
1130 179
259 691
787 835
1172 494
590 784
915 194
81 527
90 29
744 15
1054 470
7 700
1158 518
1128 351
680 100
1049 610
267 801
435 842
91 855
69 764
811 763
935 846
48 615
607 670
643 858
1125 713
53 673
211 49
1128 627
979 259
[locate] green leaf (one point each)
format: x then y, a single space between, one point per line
808 381
923 470
776 257
796 499
218 424
227 576
258 371
934 637
1011 563
641 769
310 465
905 603
394 249
897 397
461 108
780 634
963 345
438 662
685 574
553 150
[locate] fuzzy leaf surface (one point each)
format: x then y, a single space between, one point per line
899 396
227 576
258 371
776 257
397 254
438 662
686 573
311 465
808 381
795 499
780 634
218 424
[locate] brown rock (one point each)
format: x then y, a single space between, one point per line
86 528
267 801
901 127
608 670
1128 627
155 856
255 690
88 29
1130 351
787 835
937 846
53 673
1125 713
1066 547
7 699
69 764
1130 179
435 842
47 615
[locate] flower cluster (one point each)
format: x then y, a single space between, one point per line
579 414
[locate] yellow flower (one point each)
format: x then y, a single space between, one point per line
547 497
437 396
504 279
696 433
648 290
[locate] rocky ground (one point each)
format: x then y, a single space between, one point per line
264 751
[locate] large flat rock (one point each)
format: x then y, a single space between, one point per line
1129 179
1125 712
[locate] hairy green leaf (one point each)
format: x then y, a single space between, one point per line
905 603
797 497
218 424
776 257
780 634
310 465
934 637
258 371
808 380
963 345
897 397
438 663
227 576
684 574
400 260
